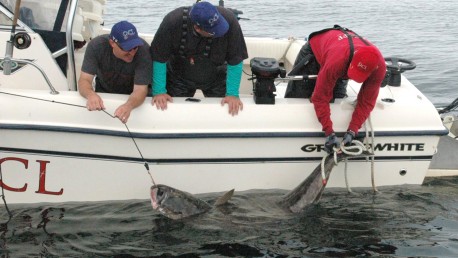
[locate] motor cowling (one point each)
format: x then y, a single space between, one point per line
264 71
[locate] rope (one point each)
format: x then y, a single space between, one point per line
355 149
352 150
450 107
346 177
374 188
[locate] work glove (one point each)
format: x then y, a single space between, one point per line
348 138
331 141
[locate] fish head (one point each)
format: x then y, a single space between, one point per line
176 204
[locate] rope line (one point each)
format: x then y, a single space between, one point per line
355 149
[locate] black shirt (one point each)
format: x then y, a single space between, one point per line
230 48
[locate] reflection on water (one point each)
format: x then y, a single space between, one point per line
397 221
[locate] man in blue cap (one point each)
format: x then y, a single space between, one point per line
198 47
121 63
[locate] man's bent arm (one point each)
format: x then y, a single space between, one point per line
85 84
138 95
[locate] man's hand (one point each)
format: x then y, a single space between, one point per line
136 98
94 102
123 112
161 100
331 142
234 103
348 138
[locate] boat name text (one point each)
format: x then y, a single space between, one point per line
378 147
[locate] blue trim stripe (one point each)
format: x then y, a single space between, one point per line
210 135
199 160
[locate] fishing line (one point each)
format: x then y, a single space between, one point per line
81 106
45 100
138 149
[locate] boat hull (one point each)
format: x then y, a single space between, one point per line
41 178
54 150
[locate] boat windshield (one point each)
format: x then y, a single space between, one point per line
4 20
38 14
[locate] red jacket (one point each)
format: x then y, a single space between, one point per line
332 51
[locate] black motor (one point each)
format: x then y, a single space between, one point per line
265 70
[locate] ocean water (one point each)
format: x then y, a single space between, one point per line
407 221
404 221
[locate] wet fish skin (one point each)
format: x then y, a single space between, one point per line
176 204
311 189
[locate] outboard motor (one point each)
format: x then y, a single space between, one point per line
265 70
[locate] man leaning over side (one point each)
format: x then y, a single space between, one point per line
121 63
336 55
198 47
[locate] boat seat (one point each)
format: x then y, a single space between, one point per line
291 54
92 12
78 25
257 48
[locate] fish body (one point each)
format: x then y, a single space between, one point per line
311 189
176 204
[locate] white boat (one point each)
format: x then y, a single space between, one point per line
53 150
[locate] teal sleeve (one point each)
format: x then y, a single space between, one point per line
159 78
234 76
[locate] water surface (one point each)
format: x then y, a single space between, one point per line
406 221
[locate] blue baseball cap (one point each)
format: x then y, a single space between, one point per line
206 16
125 34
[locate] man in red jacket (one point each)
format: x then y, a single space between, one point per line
338 54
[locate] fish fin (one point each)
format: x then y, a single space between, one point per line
225 198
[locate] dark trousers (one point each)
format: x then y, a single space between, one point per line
179 87
183 79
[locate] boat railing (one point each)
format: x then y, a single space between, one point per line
23 61
71 71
